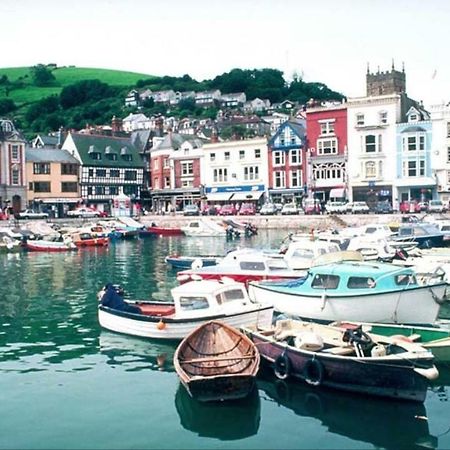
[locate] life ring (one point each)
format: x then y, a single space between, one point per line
313 372
282 366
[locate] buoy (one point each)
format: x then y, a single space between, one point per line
161 325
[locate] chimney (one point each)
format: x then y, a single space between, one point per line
116 125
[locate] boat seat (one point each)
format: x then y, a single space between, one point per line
347 350
156 310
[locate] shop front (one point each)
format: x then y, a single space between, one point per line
372 193
294 195
235 194
172 200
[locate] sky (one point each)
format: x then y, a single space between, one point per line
328 41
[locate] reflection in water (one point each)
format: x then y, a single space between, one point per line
383 423
225 421
135 353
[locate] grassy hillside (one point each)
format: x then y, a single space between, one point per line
28 93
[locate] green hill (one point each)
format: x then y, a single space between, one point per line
22 90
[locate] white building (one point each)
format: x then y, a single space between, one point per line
235 171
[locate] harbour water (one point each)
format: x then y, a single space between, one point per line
65 383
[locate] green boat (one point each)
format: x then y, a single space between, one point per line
435 339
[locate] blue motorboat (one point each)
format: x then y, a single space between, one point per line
426 235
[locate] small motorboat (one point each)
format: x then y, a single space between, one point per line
435 339
204 227
85 239
347 359
153 231
217 362
188 262
193 304
361 291
41 245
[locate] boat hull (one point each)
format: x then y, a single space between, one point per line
95 242
185 262
382 378
412 306
49 246
175 329
160 231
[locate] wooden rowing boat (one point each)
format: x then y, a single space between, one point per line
217 362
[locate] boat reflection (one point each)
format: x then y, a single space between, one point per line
440 386
225 421
137 354
375 421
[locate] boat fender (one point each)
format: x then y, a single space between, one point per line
197 264
161 325
313 372
282 366
324 300
430 374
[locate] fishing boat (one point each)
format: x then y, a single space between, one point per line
244 265
49 246
426 235
359 291
152 231
187 262
192 304
435 339
346 359
217 362
85 239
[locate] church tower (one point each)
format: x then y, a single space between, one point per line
385 83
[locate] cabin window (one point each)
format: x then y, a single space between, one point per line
405 279
323 281
230 295
361 283
252 265
191 303
303 253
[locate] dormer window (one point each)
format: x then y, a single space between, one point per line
110 153
94 153
359 120
413 118
125 154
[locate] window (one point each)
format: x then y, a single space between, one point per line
41 168
166 182
156 184
241 154
448 129
327 127
220 175
405 279
96 156
187 183
295 156
130 175
280 179
166 163
325 281
413 168
212 156
329 171
226 156
257 153
100 172
414 143
448 154
383 117
15 153
156 164
111 156
15 177
113 190
371 169
90 172
370 143
251 173
187 168
192 303
127 157
361 283
252 265
278 158
99 190
230 295
114 173
69 169
71 186
413 118
42 186
359 120
296 178
327 146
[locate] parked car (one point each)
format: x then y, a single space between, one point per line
268 209
336 208
311 206
279 207
227 210
209 210
289 209
247 209
30 214
383 208
191 210
436 206
360 208
83 212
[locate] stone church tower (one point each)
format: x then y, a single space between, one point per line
385 83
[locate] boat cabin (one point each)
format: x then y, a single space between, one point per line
301 254
353 278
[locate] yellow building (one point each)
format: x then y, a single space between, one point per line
52 180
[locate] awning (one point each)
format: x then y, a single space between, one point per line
337 193
249 195
219 196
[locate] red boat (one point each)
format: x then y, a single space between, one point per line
49 246
89 240
160 231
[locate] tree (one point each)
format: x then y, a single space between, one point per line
42 76
85 91
7 106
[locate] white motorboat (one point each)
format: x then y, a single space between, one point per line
204 227
193 304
